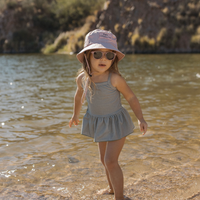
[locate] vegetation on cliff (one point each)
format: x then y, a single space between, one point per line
141 26
152 26
28 25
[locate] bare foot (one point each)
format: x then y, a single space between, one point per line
105 191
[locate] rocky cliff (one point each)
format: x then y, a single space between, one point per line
141 26
153 26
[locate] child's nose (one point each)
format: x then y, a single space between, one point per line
103 56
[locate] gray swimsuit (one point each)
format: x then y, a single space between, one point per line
106 119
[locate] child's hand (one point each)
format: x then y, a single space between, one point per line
143 126
74 120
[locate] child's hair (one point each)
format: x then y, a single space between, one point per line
113 68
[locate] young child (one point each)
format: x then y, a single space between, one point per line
106 120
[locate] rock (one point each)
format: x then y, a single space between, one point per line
72 159
141 26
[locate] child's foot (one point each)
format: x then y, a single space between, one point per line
105 191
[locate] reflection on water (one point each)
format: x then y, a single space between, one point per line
41 158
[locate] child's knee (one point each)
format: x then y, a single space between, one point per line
110 163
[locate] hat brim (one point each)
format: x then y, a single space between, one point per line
80 55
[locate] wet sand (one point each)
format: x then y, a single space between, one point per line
176 183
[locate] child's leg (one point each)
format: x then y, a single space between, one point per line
113 150
102 150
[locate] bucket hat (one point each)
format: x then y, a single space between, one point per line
100 39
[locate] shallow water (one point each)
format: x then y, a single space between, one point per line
41 158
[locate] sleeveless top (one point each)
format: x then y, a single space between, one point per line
106 119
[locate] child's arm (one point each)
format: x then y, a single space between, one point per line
77 102
121 85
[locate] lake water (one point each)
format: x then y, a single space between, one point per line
42 158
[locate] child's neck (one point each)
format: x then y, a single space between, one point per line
100 77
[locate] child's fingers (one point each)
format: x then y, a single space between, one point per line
144 132
76 122
70 123
143 128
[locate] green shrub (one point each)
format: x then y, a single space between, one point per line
60 14
49 49
71 13
43 20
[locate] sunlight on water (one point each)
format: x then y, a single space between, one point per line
41 158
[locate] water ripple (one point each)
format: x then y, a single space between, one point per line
42 158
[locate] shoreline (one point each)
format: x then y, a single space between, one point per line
74 53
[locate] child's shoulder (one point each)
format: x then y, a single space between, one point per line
115 75
116 79
79 78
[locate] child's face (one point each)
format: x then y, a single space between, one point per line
100 65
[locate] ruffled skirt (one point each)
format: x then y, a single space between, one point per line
107 127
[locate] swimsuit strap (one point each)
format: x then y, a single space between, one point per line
109 81
109 77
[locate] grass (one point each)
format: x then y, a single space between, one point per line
195 39
134 36
161 34
71 41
